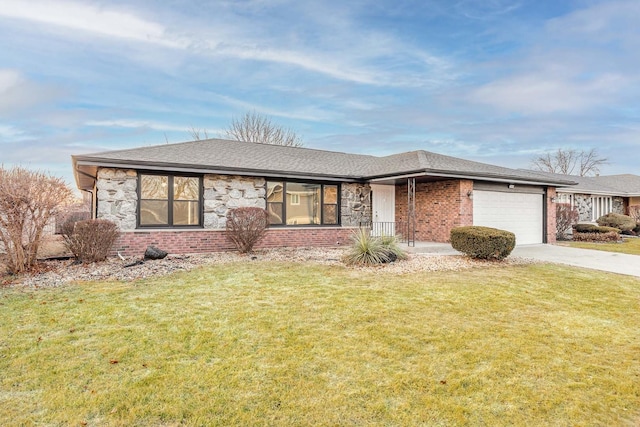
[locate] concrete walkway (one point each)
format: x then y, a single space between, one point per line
584 258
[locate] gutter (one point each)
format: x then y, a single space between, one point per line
493 178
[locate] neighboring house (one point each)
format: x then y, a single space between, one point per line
177 196
599 195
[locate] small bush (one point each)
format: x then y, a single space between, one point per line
246 226
609 236
66 220
483 242
591 228
566 216
621 222
370 250
90 240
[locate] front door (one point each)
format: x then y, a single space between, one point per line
383 206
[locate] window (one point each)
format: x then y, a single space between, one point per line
564 198
301 203
171 201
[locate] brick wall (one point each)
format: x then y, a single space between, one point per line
440 206
134 243
551 215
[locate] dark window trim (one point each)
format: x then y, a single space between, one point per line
322 204
170 200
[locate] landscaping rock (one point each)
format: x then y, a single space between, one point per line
59 273
154 253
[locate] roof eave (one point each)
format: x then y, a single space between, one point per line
81 161
597 192
475 177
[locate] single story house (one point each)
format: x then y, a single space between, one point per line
595 196
176 196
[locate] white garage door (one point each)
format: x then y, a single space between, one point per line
519 213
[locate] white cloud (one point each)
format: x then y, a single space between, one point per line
89 18
18 93
486 9
346 51
8 80
12 134
136 124
578 63
542 93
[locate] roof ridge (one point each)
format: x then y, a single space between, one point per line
200 141
422 158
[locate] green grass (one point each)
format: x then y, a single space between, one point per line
286 344
629 246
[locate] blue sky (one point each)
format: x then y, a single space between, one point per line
490 80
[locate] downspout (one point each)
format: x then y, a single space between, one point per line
545 215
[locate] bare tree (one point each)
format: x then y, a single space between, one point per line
198 134
254 127
566 216
28 200
571 162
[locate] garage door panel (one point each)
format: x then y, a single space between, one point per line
520 213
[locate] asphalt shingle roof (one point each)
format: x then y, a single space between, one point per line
616 185
247 157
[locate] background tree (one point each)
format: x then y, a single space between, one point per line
571 162
198 134
28 200
254 127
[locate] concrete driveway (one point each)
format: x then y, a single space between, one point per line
585 258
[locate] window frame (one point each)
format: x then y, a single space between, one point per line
322 185
170 200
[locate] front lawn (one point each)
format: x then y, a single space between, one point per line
628 246
292 344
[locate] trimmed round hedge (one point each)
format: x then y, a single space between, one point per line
592 228
619 221
483 242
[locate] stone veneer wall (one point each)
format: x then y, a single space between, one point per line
355 204
582 202
440 206
618 205
118 200
118 197
225 192
584 205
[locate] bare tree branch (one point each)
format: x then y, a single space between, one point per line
28 200
571 162
198 134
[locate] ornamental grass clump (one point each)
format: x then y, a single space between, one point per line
483 242
370 250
